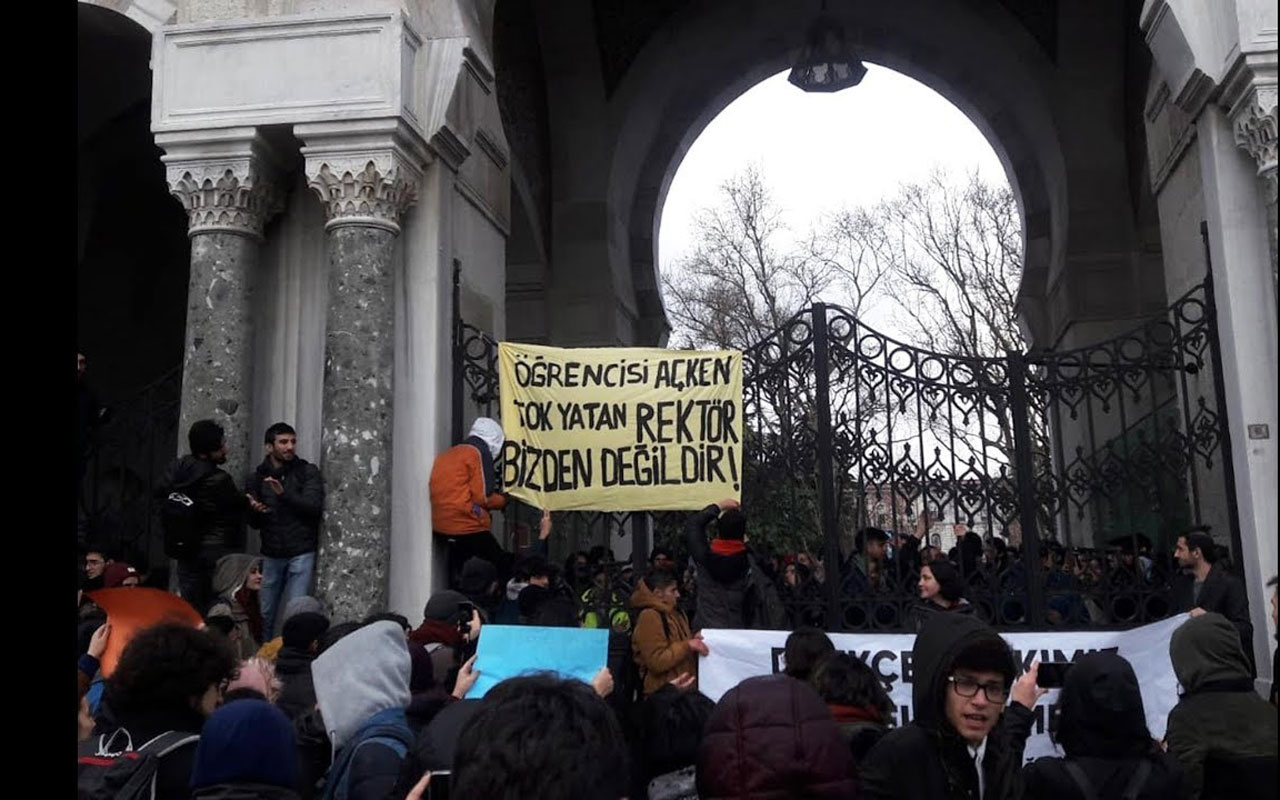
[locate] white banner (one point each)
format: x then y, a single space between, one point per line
736 655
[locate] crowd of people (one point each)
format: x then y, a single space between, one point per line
271 698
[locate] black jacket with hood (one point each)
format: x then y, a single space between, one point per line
1102 728
927 757
221 505
1219 715
291 525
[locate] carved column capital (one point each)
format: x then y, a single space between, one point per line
366 174
1255 131
228 184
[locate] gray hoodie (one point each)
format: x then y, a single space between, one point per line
229 575
367 671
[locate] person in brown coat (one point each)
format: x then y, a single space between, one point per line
663 644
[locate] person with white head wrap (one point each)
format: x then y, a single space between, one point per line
463 493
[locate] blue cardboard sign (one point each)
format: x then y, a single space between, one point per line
506 651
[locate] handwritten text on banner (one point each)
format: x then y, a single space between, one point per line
621 429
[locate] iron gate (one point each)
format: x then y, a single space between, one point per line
127 457
1058 481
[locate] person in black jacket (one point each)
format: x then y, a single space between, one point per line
732 588
1205 587
286 498
1102 728
220 509
722 565
293 663
963 675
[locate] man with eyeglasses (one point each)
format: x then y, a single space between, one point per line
962 742
95 564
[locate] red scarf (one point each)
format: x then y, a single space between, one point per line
844 713
728 547
434 630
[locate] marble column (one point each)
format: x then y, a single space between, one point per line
364 196
1254 124
229 194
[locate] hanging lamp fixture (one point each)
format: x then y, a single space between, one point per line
826 64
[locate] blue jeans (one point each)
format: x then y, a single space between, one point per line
283 579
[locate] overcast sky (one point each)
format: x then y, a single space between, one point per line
823 151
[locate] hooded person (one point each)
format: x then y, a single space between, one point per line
772 737
662 645
362 688
464 490
293 665
1221 731
1102 728
236 581
963 674
246 752
297 605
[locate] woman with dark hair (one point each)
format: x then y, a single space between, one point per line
941 589
236 583
857 700
1102 728
805 647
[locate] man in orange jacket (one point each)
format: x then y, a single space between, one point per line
463 492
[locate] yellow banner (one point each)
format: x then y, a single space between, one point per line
620 428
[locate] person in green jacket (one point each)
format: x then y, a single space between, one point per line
1219 719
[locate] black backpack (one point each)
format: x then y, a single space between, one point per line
128 774
182 523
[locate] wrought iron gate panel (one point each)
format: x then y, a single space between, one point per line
1060 479
128 457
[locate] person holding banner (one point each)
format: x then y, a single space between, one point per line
464 490
962 742
1206 587
732 590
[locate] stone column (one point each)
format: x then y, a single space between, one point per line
1254 124
1247 334
364 193
230 190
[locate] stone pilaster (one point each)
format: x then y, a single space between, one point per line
364 185
230 190
1253 121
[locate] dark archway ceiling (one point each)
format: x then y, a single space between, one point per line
624 26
